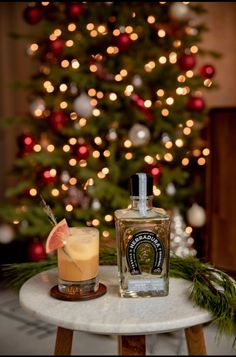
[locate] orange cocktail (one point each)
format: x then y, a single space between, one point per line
78 261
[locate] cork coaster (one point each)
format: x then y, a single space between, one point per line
54 292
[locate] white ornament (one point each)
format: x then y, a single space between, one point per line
137 81
139 135
179 11
96 205
82 105
196 215
65 176
112 134
170 189
181 243
73 88
165 138
37 107
6 233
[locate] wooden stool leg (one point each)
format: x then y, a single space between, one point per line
195 340
131 345
63 341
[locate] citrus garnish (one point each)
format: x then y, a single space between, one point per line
58 236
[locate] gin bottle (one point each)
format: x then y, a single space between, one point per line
143 243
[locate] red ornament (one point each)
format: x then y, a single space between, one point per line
32 14
207 71
58 120
195 104
73 11
187 61
154 170
123 42
139 102
36 251
47 176
82 152
26 143
57 46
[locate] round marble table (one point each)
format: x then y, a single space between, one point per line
129 318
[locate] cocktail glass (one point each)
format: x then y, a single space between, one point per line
78 262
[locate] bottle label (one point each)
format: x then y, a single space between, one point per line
145 251
146 285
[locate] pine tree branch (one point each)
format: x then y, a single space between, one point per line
211 289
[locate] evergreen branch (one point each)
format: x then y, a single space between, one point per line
14 275
211 289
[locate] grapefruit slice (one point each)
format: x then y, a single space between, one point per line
57 237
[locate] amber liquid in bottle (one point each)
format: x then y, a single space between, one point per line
143 236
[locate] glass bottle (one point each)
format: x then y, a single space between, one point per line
143 243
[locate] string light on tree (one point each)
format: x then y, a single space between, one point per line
97 113
181 242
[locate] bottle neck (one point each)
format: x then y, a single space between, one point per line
136 200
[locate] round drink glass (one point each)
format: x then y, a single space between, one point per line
78 262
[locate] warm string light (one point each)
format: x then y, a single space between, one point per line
148 67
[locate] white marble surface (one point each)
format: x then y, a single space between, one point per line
111 314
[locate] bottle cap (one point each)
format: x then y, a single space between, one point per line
141 185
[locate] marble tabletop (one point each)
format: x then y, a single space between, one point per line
111 314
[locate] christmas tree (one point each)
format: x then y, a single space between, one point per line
117 89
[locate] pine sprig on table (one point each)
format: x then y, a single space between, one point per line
211 289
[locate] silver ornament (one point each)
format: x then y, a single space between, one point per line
196 215
37 107
65 176
6 233
165 137
96 205
179 11
139 135
73 88
112 134
170 189
82 105
137 80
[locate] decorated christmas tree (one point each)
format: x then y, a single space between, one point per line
118 89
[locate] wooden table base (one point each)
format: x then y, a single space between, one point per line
131 345
63 341
195 341
134 345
